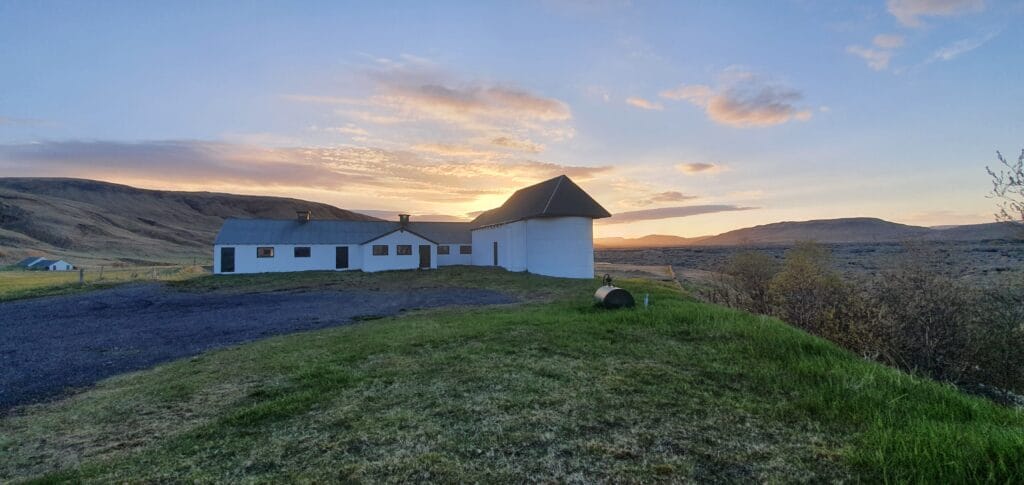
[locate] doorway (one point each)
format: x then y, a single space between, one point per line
341 257
495 249
227 260
424 256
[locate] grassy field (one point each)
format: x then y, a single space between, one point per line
16 283
551 389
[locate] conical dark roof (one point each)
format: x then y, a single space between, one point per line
558 197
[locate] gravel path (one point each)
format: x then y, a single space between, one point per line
50 344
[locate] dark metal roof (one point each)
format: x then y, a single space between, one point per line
27 261
444 232
558 197
291 231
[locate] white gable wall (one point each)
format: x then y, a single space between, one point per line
60 266
560 246
393 260
321 257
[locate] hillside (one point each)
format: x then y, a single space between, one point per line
846 230
87 221
550 390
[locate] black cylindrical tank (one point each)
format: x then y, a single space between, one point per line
609 296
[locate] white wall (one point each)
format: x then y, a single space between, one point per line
60 266
393 260
552 246
511 240
561 246
321 257
454 256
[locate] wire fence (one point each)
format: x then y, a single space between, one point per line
22 280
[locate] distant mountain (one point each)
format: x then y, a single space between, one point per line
87 220
650 241
847 230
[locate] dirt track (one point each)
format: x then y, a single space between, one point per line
48 345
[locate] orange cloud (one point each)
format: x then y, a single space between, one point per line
644 104
699 168
517 144
350 176
743 101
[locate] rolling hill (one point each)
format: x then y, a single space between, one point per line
846 230
88 221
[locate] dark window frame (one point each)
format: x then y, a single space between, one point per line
265 252
443 250
466 249
297 252
403 249
380 250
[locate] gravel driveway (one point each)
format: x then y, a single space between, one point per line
50 344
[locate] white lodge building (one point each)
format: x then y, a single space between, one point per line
545 229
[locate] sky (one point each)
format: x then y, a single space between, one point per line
685 118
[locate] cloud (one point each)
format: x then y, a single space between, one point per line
515 144
743 100
644 104
671 196
698 168
353 176
909 12
670 213
417 98
348 129
662 197
879 56
877 59
452 150
888 41
960 47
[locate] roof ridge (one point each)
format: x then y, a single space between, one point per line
553 192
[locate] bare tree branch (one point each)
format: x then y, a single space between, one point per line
1008 188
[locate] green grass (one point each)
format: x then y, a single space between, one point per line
549 390
18 284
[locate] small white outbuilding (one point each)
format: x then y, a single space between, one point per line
545 229
43 264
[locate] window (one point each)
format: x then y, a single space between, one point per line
265 252
465 249
380 249
442 249
403 250
302 251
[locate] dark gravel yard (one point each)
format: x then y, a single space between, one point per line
48 345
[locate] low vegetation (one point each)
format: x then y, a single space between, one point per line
549 390
909 316
17 283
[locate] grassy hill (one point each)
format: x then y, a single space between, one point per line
87 221
548 390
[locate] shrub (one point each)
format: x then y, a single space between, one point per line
911 316
751 274
807 292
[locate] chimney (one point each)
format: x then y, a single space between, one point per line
403 219
303 216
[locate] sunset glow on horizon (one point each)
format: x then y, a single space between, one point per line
684 118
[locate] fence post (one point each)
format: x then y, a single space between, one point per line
81 276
